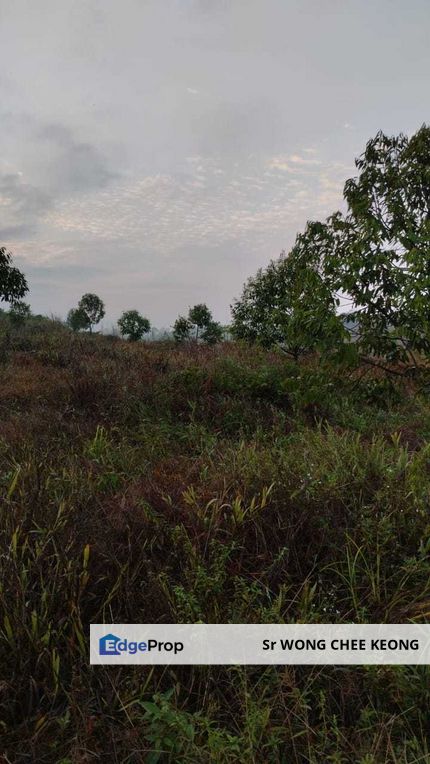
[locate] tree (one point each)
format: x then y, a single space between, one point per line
200 316
93 307
181 329
380 250
199 323
133 325
77 319
13 284
291 303
19 312
212 333
376 255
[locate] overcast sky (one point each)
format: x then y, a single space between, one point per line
159 152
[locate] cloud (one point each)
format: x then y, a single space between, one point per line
171 235
104 103
60 167
292 163
205 204
22 206
73 165
301 160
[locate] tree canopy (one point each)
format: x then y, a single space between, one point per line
93 307
13 284
181 329
382 246
198 325
290 303
133 325
77 319
376 256
199 317
212 333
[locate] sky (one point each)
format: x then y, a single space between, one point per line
159 152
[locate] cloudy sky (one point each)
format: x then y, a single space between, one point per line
158 152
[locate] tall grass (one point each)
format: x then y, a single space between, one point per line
159 484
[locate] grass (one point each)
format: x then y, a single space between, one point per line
150 483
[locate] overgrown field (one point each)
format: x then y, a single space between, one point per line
149 483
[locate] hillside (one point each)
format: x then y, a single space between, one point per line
154 483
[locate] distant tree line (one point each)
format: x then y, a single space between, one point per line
197 326
375 257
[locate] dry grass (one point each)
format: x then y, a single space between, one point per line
155 483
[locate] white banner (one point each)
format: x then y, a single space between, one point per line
259 644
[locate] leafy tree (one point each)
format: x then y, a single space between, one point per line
200 316
198 325
291 303
13 284
19 312
212 333
93 307
133 325
376 255
181 329
77 319
379 251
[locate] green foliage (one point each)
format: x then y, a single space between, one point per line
133 325
181 329
376 256
212 333
291 303
13 284
383 244
378 252
198 325
228 485
93 307
170 731
77 319
199 316
19 312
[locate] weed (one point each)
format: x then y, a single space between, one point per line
159 483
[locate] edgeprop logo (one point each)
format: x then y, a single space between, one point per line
110 644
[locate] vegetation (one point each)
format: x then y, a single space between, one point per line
383 243
198 325
93 308
192 480
212 333
88 314
164 483
181 329
199 317
77 319
377 256
13 284
19 312
133 325
289 305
